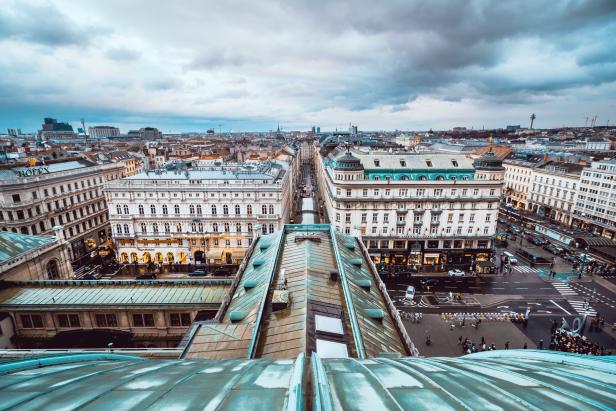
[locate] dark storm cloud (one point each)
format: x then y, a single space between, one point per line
41 23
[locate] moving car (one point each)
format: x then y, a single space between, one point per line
456 273
554 249
537 240
510 258
410 293
198 273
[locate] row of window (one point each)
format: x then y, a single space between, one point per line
195 210
418 218
194 227
60 189
420 192
103 320
432 244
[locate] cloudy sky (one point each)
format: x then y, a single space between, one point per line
245 65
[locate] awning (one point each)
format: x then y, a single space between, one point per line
487 264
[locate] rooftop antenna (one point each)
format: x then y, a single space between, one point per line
586 124
594 120
532 120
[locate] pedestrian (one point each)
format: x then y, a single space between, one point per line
540 345
483 346
507 345
483 341
492 347
525 346
460 340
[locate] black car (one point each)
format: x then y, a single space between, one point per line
553 249
537 240
198 273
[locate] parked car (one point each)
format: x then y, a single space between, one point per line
456 273
410 293
537 240
146 276
429 282
554 249
510 258
198 273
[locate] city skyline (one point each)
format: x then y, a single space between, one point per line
407 66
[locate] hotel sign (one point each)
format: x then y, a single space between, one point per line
30 172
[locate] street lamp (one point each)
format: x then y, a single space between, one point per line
583 263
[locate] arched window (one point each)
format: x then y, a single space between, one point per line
176 209
155 227
119 209
141 209
124 258
200 227
404 178
215 227
119 229
263 209
199 210
213 210
225 209
440 178
167 228
165 210
249 209
192 209
422 178
53 271
178 228
250 227
237 209
170 257
193 227
144 229
152 209
134 258
226 227
238 227
271 209
126 229
125 209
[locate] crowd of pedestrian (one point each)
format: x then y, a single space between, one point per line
468 346
565 341
599 268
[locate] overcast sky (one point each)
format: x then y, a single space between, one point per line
245 65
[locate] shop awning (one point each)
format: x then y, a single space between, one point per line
486 264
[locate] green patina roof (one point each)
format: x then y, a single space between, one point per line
504 379
110 294
14 244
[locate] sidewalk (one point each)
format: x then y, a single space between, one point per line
445 341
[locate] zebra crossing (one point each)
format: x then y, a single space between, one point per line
582 307
564 289
527 270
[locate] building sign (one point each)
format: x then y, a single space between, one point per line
30 172
548 232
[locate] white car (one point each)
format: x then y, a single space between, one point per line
456 273
410 293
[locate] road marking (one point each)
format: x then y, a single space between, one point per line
579 307
564 288
566 312
521 288
498 288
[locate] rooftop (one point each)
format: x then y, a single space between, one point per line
80 294
503 379
21 171
294 267
14 244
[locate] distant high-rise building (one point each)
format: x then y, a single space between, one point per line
314 129
352 129
99 132
318 130
52 130
150 133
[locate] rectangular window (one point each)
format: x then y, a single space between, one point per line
31 321
68 320
143 320
179 319
106 320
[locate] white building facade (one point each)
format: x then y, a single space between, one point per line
206 214
554 189
100 132
423 210
595 207
517 182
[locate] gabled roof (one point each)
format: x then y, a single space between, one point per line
14 244
297 263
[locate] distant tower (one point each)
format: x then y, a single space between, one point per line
532 120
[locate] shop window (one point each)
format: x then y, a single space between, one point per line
433 244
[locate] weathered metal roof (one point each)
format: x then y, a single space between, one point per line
491 380
111 294
295 264
14 244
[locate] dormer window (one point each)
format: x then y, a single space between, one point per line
403 163
377 163
429 163
455 163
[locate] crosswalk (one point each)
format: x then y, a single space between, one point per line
582 307
527 270
564 289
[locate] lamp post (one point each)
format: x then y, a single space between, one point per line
583 263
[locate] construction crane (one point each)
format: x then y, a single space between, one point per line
594 120
532 120
586 124
85 135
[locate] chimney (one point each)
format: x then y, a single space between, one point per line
59 232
